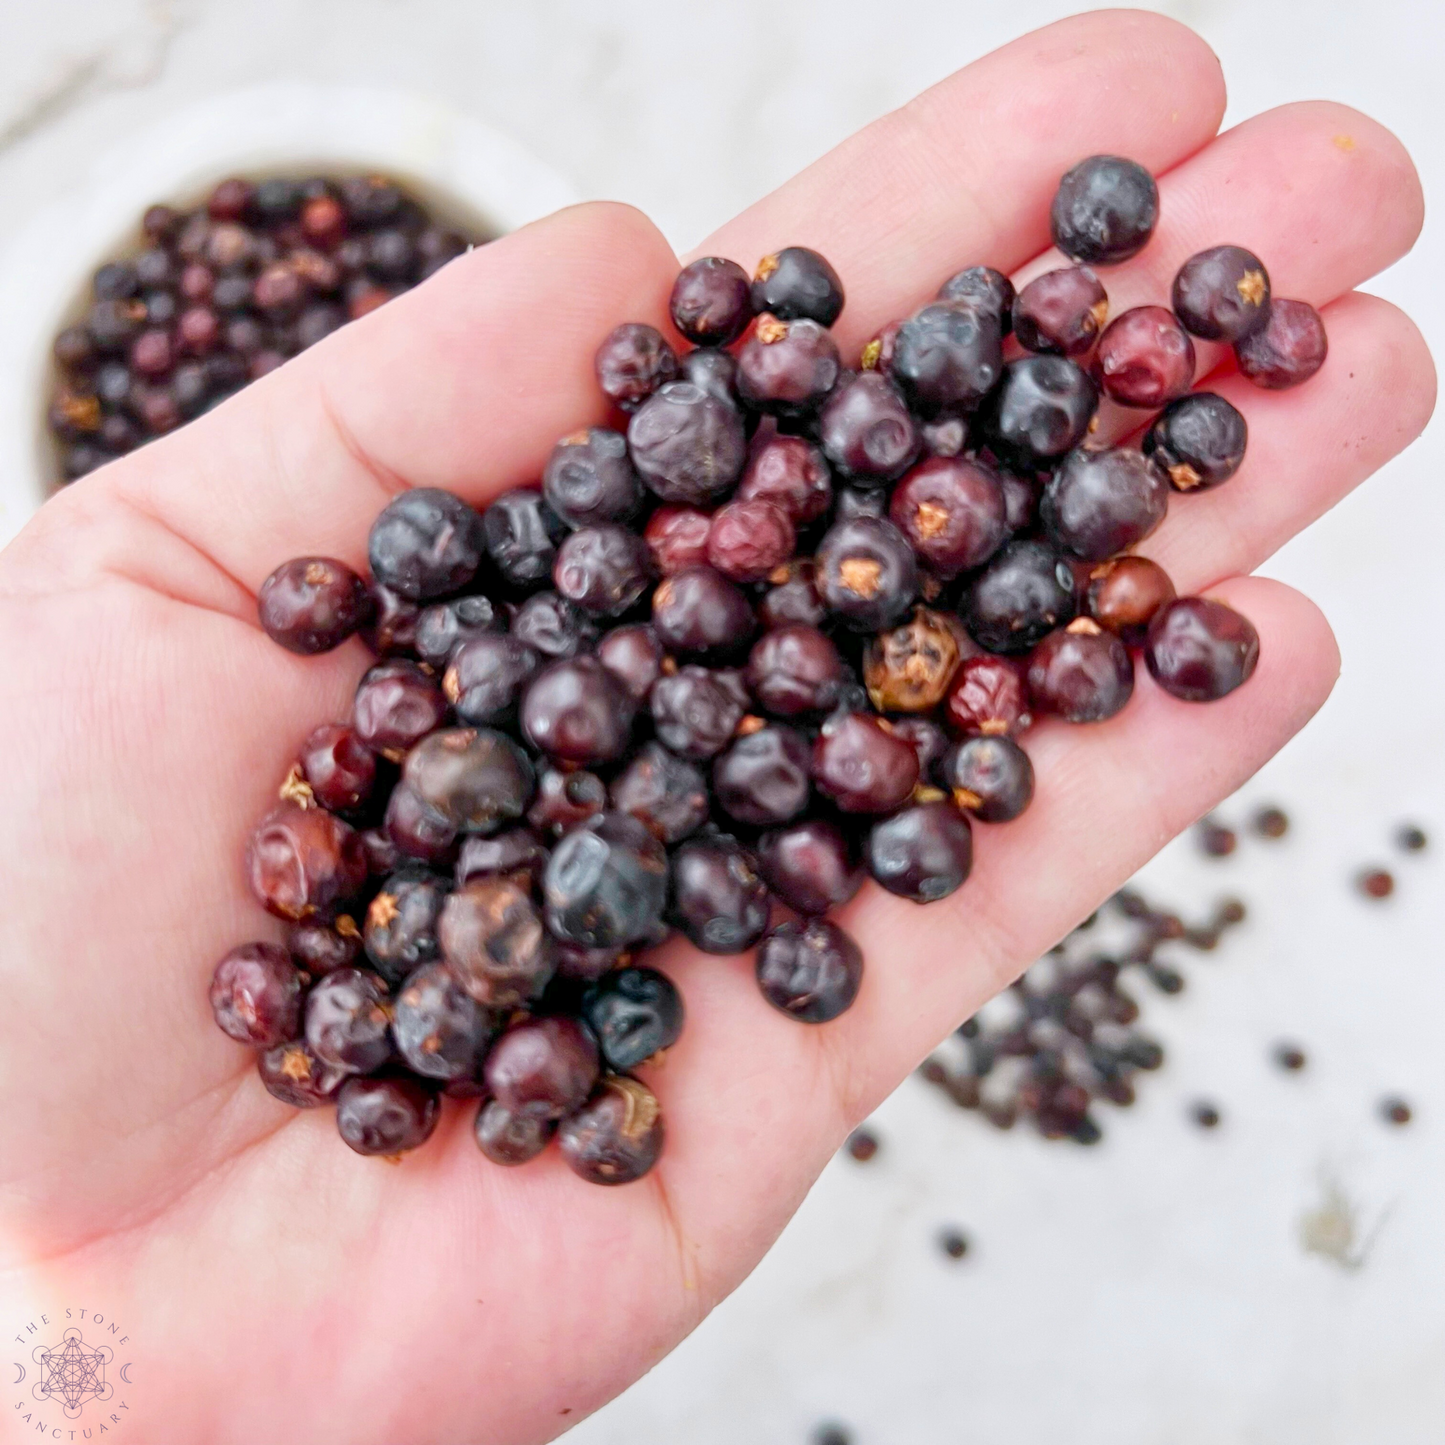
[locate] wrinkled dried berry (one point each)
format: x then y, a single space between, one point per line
256 995
1222 294
616 1136
633 655
554 626
984 288
787 368
1145 358
688 446
589 479
635 1014
990 778
312 604
862 766
1199 650
1198 441
1042 409
811 971
396 705
487 675
518 854
796 282
749 540
320 948
492 937
338 767
632 362
809 866
565 799
1061 312
348 1019
1288 349
988 698
791 473
947 357
1100 503
763 778
441 1031
444 626
508 1138
603 569
665 793
425 543
909 668
866 430
386 1116
677 538
1081 673
718 900
922 853
293 1074
475 779
606 883
795 669
305 863
1023 593
695 711
521 533
1104 211
711 302
713 371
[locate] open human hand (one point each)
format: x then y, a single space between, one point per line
273 1284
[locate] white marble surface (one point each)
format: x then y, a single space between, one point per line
1154 1289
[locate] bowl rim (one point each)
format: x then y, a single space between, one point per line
469 174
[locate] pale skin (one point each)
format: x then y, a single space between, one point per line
274 1285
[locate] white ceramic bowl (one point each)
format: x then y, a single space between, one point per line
468 174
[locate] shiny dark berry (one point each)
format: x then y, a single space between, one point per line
922 853
711 302
688 446
695 711
1145 358
425 543
565 799
544 1067
984 288
796 282
632 362
809 866
952 512
1104 211
1022 594
554 625
947 357
256 995
1061 312
909 668
749 540
348 1019
616 1136
794 600
396 705
763 778
444 626
293 1074
603 569
718 900
1100 503
713 371
633 654
401 922
319 948
492 937
589 479
867 573
635 1013
1200 650
988 698
927 739
795 669
990 778
699 611
787 368
486 677
338 767
508 1138
862 766
866 430
312 604
1042 408
386 1116
441 1031
1198 441
677 538
576 711
665 793
521 533
1288 349
1081 673
791 473
1222 294
606 883
811 971
305 863
1125 593
518 854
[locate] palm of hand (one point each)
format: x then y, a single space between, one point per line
148 722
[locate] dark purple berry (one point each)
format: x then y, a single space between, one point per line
603 569
293 1074
632 362
711 302
1145 358
1043 407
677 538
796 282
1198 441
666 794
713 371
795 600
1022 594
811 971
1288 349
518 854
1100 503
401 922
444 626
312 604
576 711
699 612
922 853
521 533
417 830
425 543
256 995
635 1013
688 446
633 654
338 767
763 778
1061 312
348 1019
867 573
866 430
862 766
791 473
984 288
809 866
1080 673
320 948
564 800
553 625
952 512
606 883
718 900
787 368
396 705
1104 211
695 711
486 677
508 1138
441 1031
947 357
589 479
1200 650
305 863
616 1136
1222 294
991 778
492 937
749 540
386 1116
544 1067
795 669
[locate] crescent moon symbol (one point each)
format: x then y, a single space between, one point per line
123 1374
21 1375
